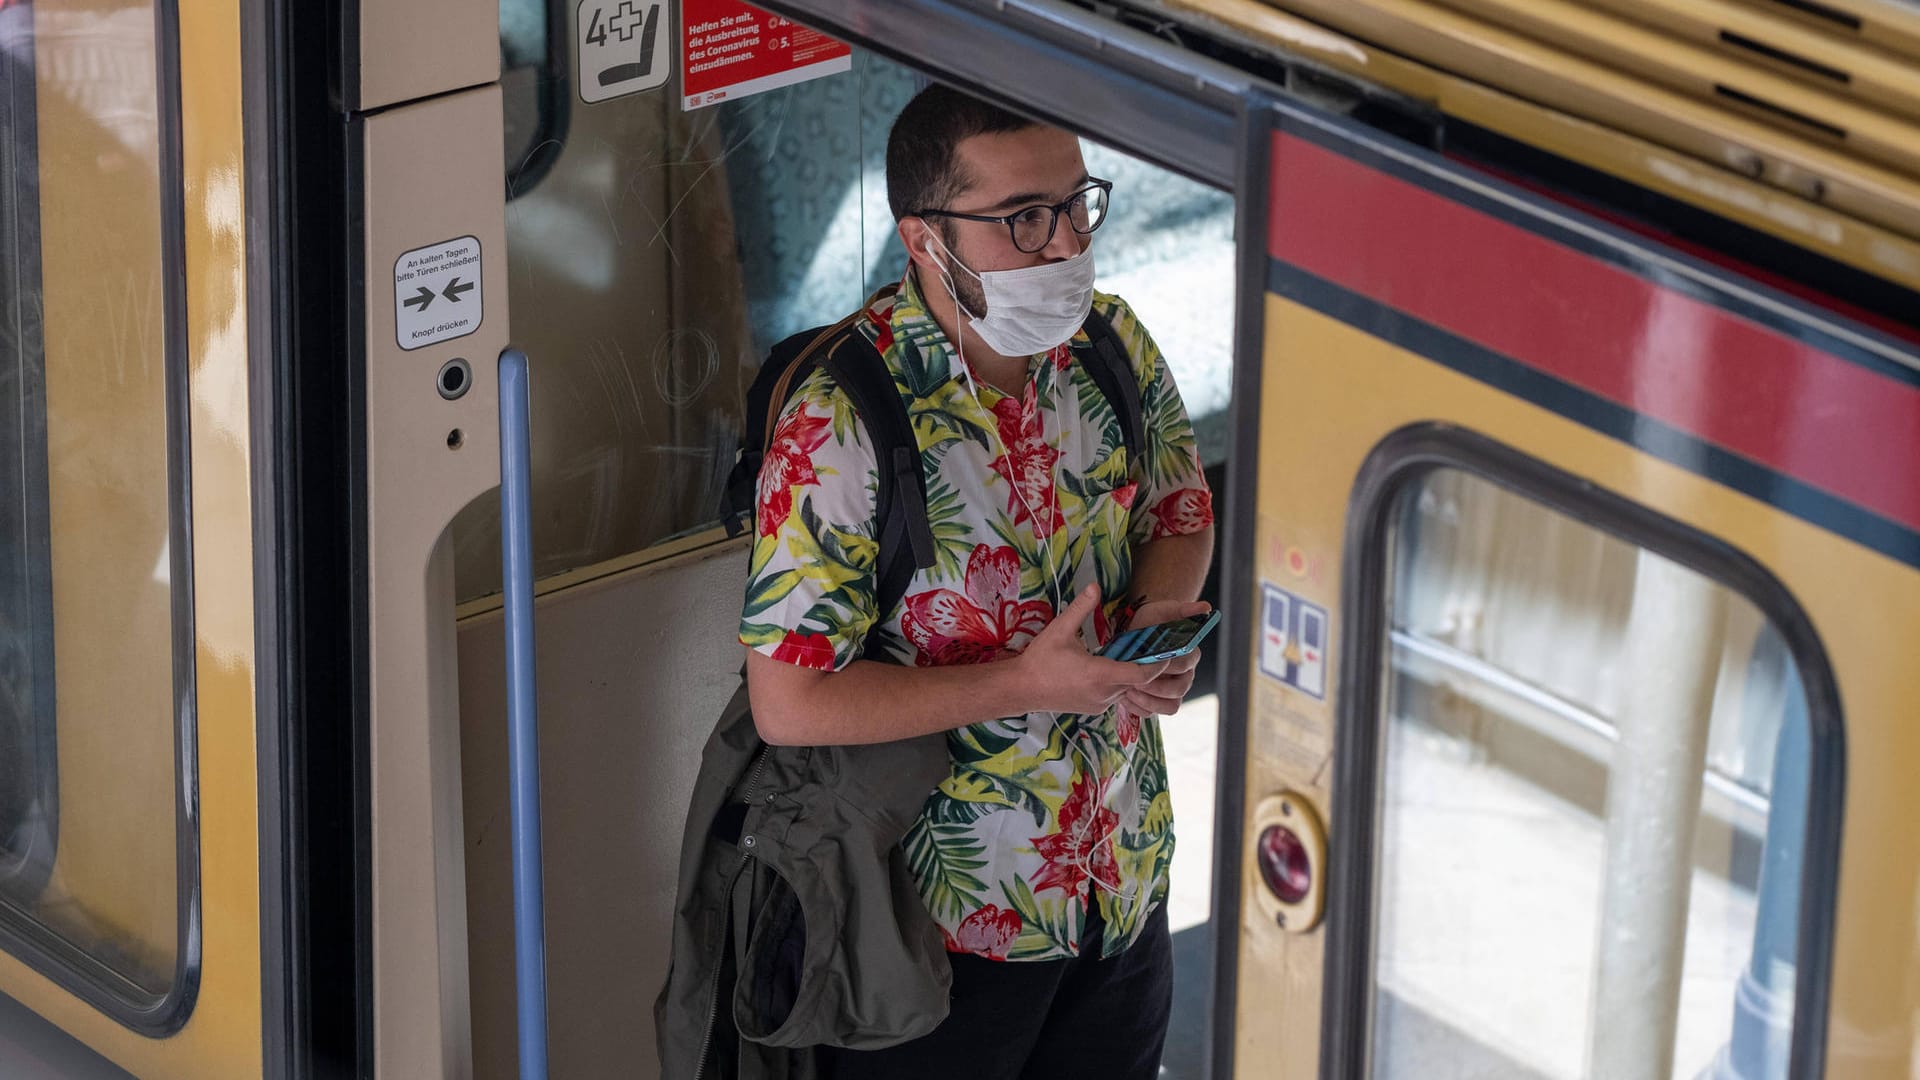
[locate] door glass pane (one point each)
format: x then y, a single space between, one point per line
1593 795
88 761
655 255
651 265
1167 249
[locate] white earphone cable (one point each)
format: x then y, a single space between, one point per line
1056 524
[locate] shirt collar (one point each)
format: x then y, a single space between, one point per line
913 322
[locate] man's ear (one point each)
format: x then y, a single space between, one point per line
916 235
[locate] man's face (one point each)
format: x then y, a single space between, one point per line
1010 171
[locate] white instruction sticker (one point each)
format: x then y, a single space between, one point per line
436 292
1293 640
621 47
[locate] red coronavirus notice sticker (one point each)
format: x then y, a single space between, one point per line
730 50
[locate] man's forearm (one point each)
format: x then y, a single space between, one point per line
871 702
868 702
1171 568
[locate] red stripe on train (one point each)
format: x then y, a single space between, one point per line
1723 378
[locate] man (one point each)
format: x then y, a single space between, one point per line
1044 854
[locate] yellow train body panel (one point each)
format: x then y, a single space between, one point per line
1411 304
1865 606
106 186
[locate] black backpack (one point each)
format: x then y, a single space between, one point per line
906 537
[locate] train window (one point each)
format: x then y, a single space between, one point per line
94 885
666 250
535 101
1593 793
28 781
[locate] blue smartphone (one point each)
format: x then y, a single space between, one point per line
1165 641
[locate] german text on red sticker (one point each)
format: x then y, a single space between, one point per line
732 50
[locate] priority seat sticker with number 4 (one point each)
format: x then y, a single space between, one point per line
622 47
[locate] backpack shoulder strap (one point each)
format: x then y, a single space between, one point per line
1113 373
905 536
785 368
796 371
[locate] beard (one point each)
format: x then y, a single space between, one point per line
969 293
966 287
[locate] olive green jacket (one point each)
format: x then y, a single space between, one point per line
796 922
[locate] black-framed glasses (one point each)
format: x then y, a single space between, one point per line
1032 227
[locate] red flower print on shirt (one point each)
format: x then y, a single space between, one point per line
989 622
806 650
1061 356
1126 723
1125 494
882 320
1027 463
1083 844
988 932
789 464
1183 513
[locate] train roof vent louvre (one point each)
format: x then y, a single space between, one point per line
1783 76
1830 15
1644 68
1530 54
1700 45
1893 25
1768 109
1780 37
1761 49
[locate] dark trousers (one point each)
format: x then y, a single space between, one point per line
1040 1020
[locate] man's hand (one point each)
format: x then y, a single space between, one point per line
1155 612
1062 676
1164 694
868 702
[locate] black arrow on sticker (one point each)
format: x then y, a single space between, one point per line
455 290
420 299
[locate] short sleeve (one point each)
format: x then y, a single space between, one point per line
1173 498
810 583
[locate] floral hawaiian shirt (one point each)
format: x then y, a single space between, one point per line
1042 813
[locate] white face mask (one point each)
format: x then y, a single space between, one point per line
1032 309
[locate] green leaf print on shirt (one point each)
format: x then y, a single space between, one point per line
941 858
952 536
1050 927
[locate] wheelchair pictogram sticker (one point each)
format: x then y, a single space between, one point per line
622 47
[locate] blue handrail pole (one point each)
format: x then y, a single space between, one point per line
523 748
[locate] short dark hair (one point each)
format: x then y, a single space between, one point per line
921 171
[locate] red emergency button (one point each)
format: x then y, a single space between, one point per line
1284 864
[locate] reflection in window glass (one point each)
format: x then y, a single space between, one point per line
523 34
664 252
809 189
1594 793
1167 249
534 93
88 791
28 781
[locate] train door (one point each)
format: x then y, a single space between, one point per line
650 244
1572 590
129 900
